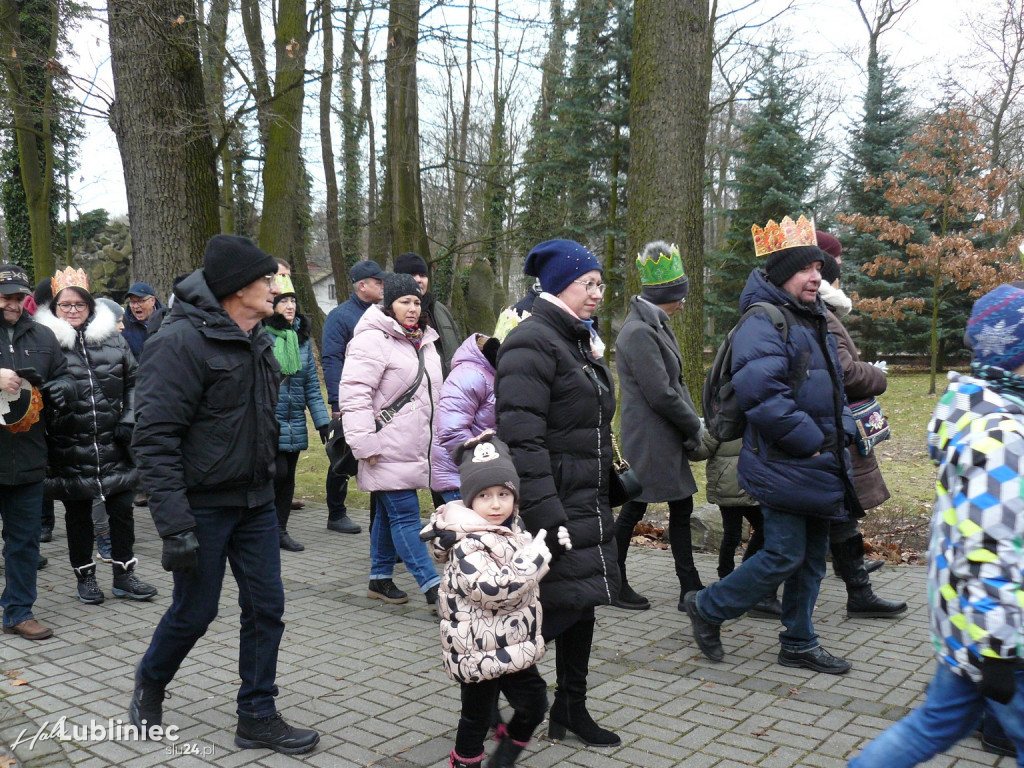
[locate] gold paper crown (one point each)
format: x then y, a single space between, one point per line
789 234
69 278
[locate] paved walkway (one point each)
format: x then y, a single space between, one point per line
369 676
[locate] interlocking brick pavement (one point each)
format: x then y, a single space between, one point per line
368 675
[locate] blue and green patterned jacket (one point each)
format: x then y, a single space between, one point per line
976 556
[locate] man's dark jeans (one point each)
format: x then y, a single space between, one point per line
248 540
794 553
19 509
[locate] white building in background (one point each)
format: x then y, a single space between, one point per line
325 291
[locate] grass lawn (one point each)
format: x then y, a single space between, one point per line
899 527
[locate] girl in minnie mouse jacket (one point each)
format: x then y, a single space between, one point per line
488 602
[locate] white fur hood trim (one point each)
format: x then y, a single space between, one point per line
837 300
102 327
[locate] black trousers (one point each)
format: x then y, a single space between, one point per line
732 535
284 485
81 538
337 491
679 512
525 691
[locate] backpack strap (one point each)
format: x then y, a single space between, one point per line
774 313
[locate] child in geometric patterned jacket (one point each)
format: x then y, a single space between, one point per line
976 555
488 602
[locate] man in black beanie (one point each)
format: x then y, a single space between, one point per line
436 314
794 461
205 443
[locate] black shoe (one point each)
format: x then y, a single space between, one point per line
89 591
147 706
343 524
996 746
46 534
42 563
274 733
707 635
817 659
385 589
863 603
288 543
766 608
431 595
630 600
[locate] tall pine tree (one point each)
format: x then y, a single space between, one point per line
773 176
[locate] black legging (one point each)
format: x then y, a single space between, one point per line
525 690
732 535
679 512
284 485
81 538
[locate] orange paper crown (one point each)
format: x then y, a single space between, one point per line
789 234
69 278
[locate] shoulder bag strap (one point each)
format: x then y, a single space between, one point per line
390 411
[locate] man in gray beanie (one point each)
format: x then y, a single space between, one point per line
205 443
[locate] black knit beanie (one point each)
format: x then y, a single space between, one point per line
411 264
231 262
485 461
783 264
398 285
830 269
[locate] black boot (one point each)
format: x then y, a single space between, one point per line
287 543
274 733
147 705
861 602
507 752
628 597
569 710
127 584
89 591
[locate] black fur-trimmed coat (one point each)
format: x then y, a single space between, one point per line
85 460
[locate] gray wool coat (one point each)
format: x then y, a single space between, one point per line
659 421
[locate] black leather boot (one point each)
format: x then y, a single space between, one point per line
861 601
569 710
507 752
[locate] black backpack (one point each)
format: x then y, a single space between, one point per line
723 416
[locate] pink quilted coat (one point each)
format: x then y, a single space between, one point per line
380 364
488 597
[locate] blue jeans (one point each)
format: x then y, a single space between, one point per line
248 540
451 495
19 509
951 710
397 528
794 553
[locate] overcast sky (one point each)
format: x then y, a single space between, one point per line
929 39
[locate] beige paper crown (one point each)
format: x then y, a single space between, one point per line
69 278
789 234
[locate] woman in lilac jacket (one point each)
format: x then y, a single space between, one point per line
465 410
394 457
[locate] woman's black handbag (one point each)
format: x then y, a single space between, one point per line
623 484
872 426
343 462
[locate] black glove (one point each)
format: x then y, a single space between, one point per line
31 375
123 435
447 539
180 552
998 681
55 395
325 432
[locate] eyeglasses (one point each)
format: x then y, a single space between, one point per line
270 279
136 300
590 287
67 306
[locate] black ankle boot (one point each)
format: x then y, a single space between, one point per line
861 602
628 597
569 710
89 591
274 733
127 584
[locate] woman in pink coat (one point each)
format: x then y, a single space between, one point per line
381 364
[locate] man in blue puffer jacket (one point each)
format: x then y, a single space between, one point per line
794 460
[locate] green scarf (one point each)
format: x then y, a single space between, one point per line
286 349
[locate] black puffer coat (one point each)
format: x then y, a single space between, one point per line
554 405
85 461
206 433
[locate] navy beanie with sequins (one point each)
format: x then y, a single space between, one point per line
558 262
995 330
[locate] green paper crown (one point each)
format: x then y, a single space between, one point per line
663 269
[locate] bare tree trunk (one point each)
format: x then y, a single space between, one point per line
459 212
32 120
159 119
668 130
334 249
253 28
402 183
375 240
212 36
